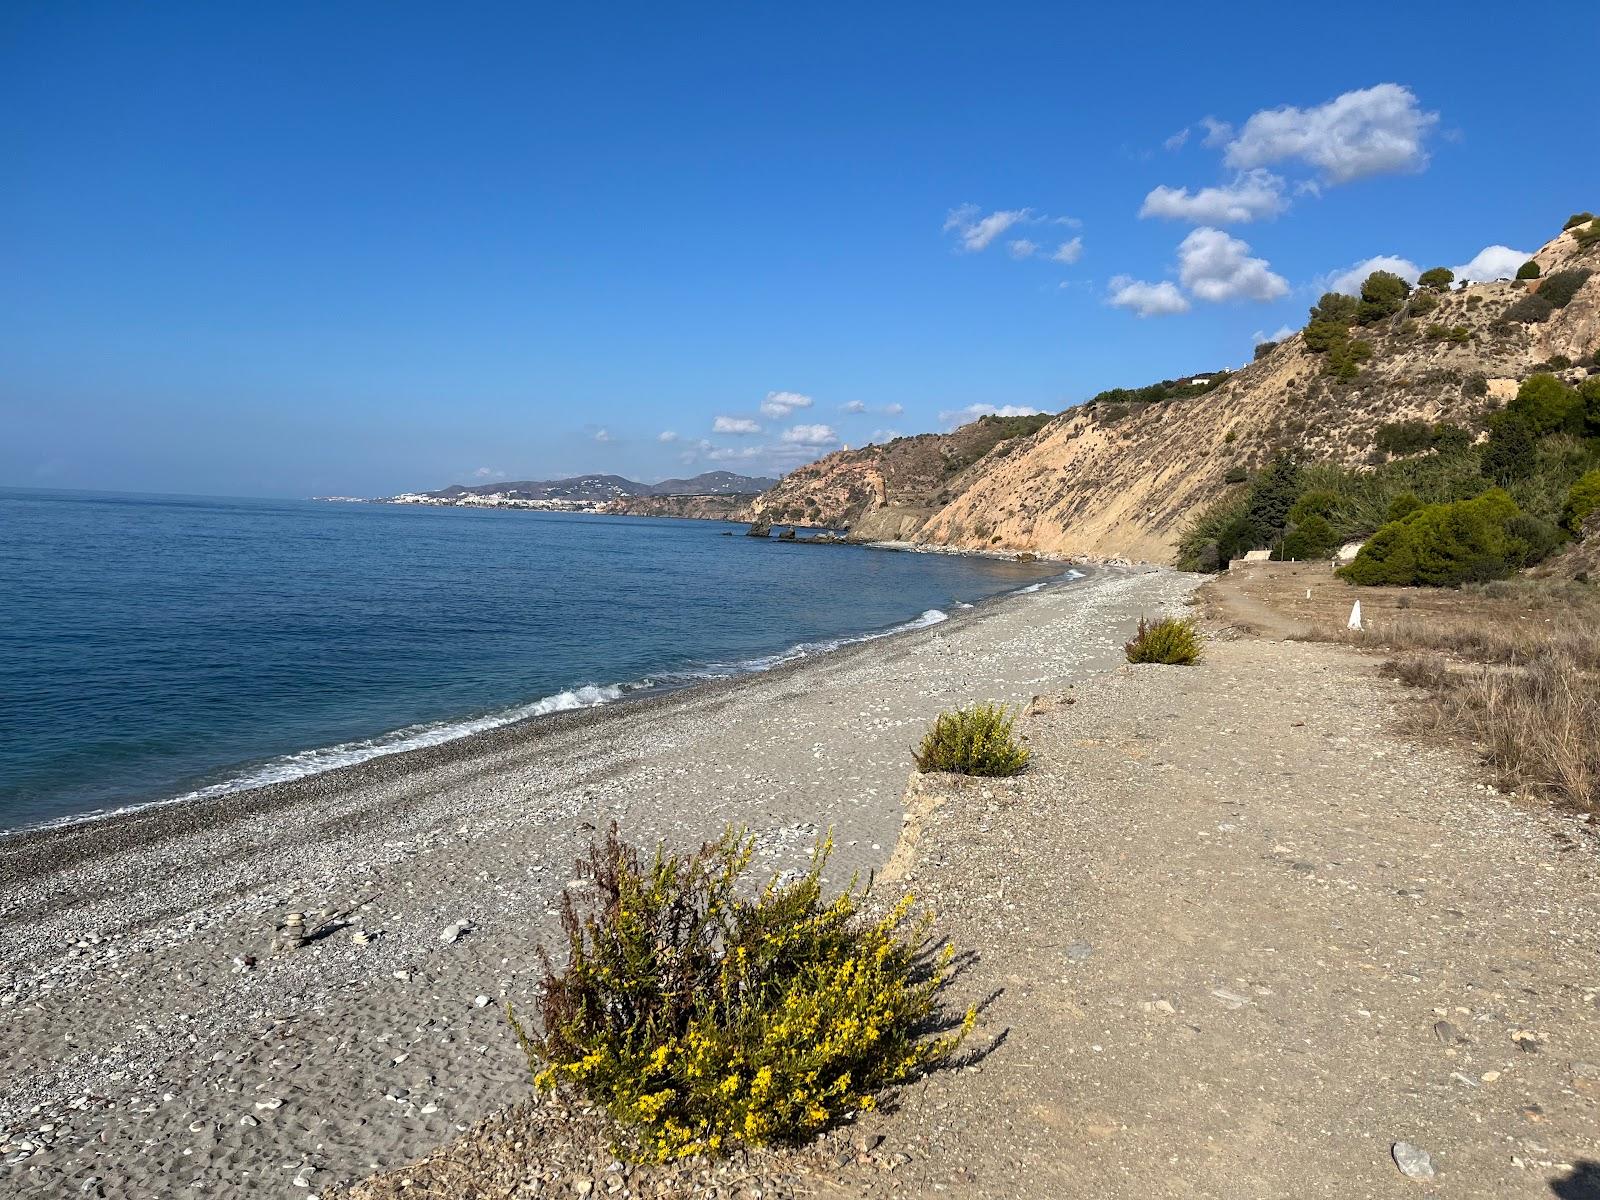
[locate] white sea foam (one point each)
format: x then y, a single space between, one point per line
416 737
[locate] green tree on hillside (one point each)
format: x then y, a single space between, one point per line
1436 277
1275 491
1383 294
1528 270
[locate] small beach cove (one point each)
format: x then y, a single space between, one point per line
126 940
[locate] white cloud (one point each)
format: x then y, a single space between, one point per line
810 435
1069 251
975 232
961 416
1176 141
781 404
893 410
1216 267
1372 131
1350 279
741 425
884 435
1146 299
602 435
1217 132
853 406
1283 331
1492 262
666 435
1252 196
489 473
1022 248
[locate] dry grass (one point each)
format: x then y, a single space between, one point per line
1515 668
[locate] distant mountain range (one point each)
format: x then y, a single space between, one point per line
598 489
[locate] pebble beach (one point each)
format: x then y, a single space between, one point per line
281 990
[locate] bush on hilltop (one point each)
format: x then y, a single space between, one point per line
703 1021
1528 270
1437 277
1383 293
972 741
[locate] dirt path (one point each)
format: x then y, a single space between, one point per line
1244 939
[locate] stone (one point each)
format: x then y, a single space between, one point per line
1446 1032
1414 1162
453 932
1078 951
480 1002
1229 999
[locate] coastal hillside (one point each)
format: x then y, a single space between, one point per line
1115 478
719 506
889 490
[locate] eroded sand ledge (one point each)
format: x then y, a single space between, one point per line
162 1065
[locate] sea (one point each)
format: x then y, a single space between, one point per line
157 648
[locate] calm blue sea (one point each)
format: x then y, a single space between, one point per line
153 647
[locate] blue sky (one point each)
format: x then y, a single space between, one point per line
299 248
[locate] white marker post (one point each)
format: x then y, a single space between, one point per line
1355 616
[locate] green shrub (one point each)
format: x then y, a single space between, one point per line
1315 502
1437 277
1450 439
1403 505
1404 437
1560 288
702 1020
1578 219
1530 310
1582 500
1169 640
1510 453
1236 475
1528 270
1263 349
1422 304
1443 545
972 741
1547 405
1310 539
1587 235
1231 437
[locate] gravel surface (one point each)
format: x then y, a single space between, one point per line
273 992
1242 940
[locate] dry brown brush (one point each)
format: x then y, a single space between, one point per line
1515 669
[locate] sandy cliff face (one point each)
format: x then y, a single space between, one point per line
1123 480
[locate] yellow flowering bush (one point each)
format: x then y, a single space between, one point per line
703 1020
